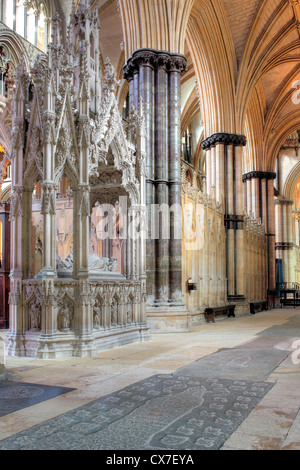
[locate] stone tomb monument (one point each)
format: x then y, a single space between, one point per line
71 153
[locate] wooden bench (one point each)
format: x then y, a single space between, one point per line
285 300
212 312
289 302
256 307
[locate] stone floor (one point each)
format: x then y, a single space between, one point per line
232 385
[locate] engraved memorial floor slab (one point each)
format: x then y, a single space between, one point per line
237 364
167 412
290 329
15 396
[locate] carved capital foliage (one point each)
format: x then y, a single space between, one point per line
48 199
34 154
48 126
84 204
283 202
85 292
31 291
40 76
22 80
17 134
110 81
65 153
16 206
15 295
84 131
48 293
154 59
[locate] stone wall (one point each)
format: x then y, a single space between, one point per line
255 260
204 252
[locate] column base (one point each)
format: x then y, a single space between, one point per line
169 319
242 306
48 273
69 344
15 345
3 375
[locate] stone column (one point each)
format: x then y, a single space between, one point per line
208 171
296 228
227 160
239 227
5 264
284 237
278 229
285 242
249 196
49 229
82 222
154 76
260 197
253 182
220 173
161 177
271 232
290 241
213 170
174 178
230 228
18 223
256 198
263 197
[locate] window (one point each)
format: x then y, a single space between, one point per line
186 146
4 67
126 107
20 22
23 17
9 13
1 9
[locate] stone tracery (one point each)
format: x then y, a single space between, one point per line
65 309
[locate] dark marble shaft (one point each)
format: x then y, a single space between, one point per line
155 76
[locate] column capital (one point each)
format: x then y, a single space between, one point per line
172 62
283 202
284 246
224 138
259 174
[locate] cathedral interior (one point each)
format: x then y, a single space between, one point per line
149 224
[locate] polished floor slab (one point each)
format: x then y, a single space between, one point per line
230 385
166 412
15 396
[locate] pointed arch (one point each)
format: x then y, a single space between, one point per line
291 181
155 25
210 44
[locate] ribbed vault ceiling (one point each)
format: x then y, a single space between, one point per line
244 54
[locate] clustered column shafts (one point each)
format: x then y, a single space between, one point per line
5 264
284 236
259 189
155 77
19 231
225 167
